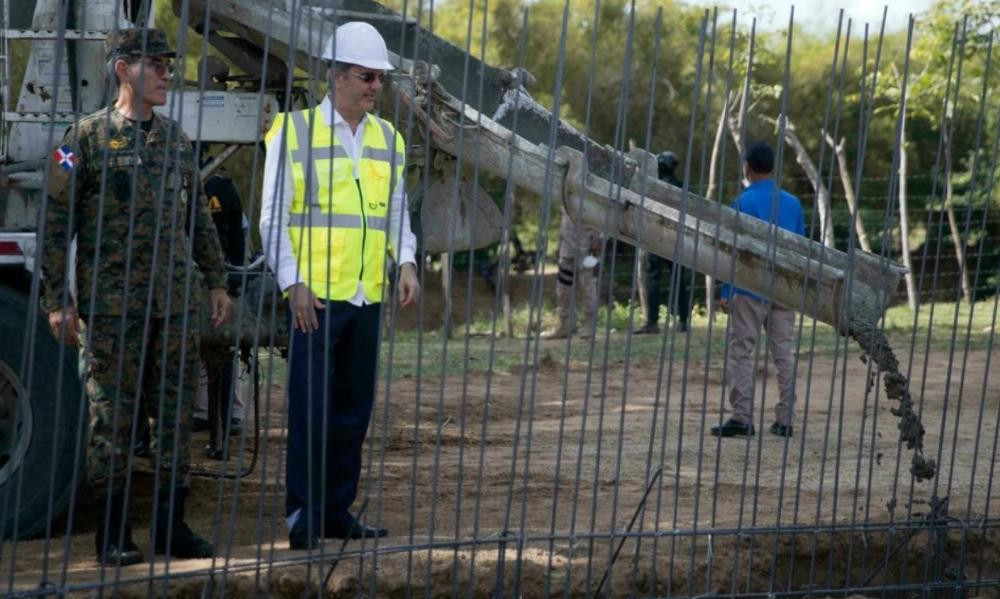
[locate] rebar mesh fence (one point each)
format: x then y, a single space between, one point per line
506 449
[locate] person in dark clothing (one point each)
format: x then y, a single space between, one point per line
658 268
227 213
217 378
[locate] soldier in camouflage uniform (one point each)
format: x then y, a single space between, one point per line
124 183
579 249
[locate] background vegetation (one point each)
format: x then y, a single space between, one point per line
951 96
655 51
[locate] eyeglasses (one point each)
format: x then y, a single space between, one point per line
159 67
369 76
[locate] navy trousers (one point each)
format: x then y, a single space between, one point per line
331 390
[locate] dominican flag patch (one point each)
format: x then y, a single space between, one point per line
65 157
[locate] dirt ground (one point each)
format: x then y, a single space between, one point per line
509 483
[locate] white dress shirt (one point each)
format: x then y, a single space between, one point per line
276 203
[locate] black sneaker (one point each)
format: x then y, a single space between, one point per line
782 430
731 428
199 425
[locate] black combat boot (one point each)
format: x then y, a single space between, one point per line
184 543
113 553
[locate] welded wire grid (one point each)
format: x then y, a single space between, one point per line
516 465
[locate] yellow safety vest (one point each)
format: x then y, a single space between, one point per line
339 224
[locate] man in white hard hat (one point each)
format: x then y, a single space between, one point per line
333 204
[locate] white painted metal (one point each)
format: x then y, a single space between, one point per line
53 34
47 83
226 117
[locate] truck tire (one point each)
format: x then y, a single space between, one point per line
38 434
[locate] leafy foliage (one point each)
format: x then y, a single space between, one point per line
630 69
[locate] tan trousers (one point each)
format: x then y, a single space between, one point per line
574 245
746 316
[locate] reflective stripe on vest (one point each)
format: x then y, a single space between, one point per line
316 218
339 224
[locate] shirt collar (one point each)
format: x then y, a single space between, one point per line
326 107
120 122
762 184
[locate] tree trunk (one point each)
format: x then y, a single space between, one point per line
446 290
503 276
736 130
822 194
845 180
713 165
640 283
904 217
956 237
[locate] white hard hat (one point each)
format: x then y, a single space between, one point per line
358 43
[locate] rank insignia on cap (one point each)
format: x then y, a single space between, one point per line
65 157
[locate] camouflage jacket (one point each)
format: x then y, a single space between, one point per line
118 191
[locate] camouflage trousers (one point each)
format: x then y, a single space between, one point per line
575 244
119 371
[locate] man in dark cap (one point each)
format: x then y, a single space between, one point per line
125 185
747 312
656 268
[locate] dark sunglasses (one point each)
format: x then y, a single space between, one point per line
369 76
159 67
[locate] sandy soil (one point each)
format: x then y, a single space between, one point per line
512 482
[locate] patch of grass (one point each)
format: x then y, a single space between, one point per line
429 354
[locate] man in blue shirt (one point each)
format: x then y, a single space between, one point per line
747 312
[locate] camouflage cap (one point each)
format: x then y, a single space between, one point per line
129 42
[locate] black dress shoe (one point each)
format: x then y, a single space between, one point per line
731 428
781 430
352 530
299 539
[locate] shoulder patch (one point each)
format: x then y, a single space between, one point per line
59 177
65 157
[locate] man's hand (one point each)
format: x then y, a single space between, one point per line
723 305
303 305
409 286
65 325
222 306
